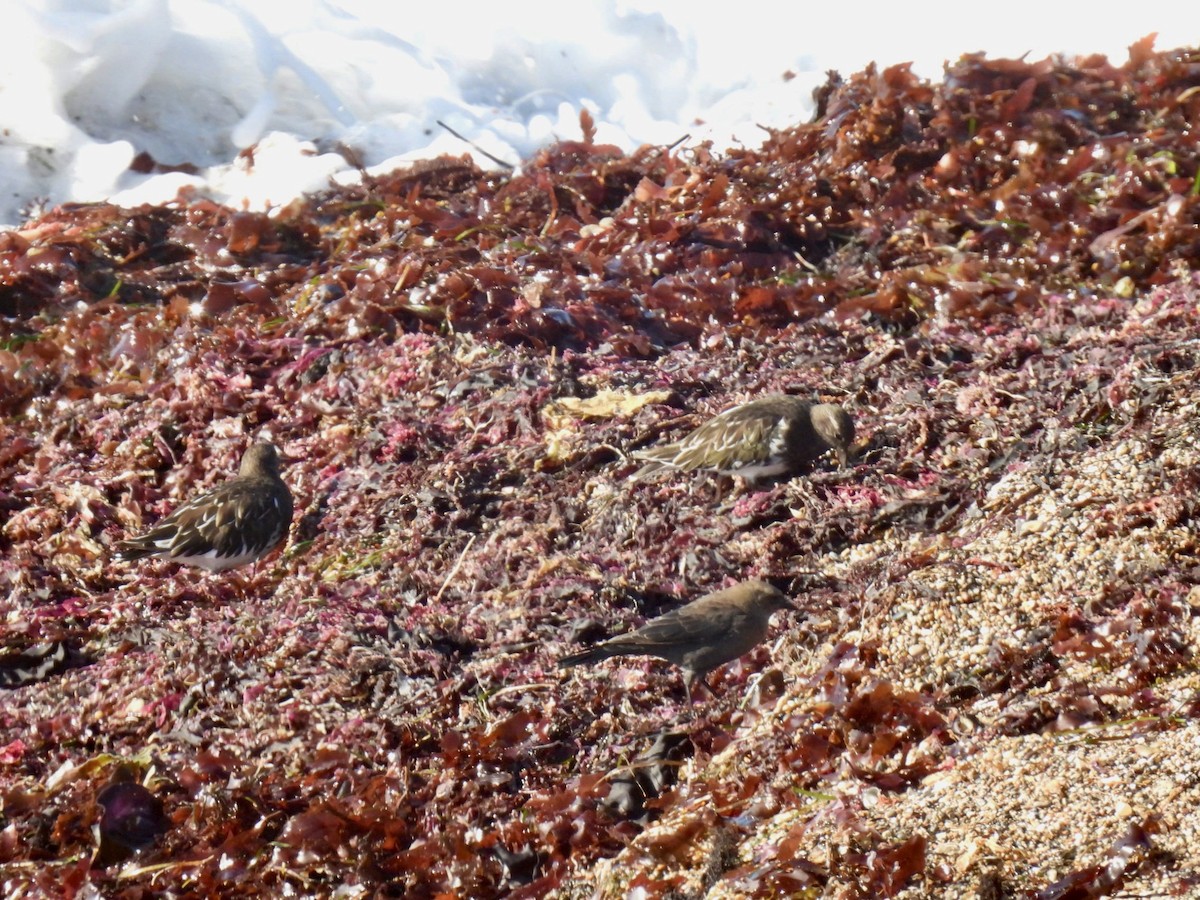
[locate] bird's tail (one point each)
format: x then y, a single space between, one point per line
653 463
131 550
591 654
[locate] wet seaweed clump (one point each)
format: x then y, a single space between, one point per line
988 683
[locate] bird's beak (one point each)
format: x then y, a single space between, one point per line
850 452
285 457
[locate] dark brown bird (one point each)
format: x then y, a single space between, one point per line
236 523
700 636
765 438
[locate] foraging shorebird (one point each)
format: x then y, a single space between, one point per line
762 439
236 523
700 636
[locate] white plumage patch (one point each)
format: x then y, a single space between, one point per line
757 470
779 437
215 563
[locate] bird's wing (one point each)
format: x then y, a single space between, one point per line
728 440
223 520
684 625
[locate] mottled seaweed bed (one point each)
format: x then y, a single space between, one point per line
991 687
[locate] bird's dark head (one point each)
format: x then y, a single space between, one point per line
764 595
261 459
835 428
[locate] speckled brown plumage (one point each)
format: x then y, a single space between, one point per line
765 438
236 523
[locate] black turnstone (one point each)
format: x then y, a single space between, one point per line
236 523
21 667
700 636
762 439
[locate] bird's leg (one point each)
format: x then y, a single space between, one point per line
690 679
242 580
237 581
727 488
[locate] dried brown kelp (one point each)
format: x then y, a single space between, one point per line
991 271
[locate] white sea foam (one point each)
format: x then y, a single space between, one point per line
87 85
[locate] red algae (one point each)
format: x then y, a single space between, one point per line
374 707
